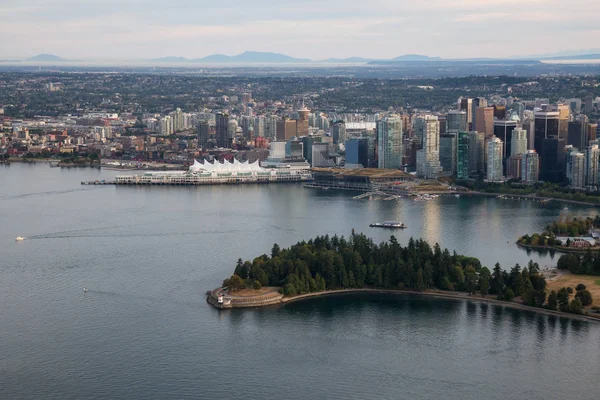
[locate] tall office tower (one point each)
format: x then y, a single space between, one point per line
592 158
443 123
448 150
484 118
203 132
477 102
529 125
428 158
462 155
357 153
578 132
546 126
307 142
588 105
456 121
389 142
518 143
320 155
294 149
552 160
592 131
466 105
271 126
575 168
499 111
574 105
302 123
494 160
286 129
503 130
221 130
339 132
476 152
563 120
530 167
259 126
277 150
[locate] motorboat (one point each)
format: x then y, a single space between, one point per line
19 238
85 290
388 224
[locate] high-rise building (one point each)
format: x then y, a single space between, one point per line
575 169
503 130
592 131
484 121
448 150
357 153
530 167
286 129
578 132
494 160
546 126
518 143
302 123
466 105
259 126
277 150
203 133
476 152
428 158
462 155
339 132
271 126
499 111
514 165
529 125
221 130
478 102
588 105
389 142
456 121
592 158
294 149
320 155
563 120
552 160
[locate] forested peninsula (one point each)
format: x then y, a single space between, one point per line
336 263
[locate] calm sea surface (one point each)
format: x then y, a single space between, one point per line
144 330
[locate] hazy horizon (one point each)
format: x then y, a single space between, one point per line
381 29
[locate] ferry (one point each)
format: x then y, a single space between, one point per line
388 224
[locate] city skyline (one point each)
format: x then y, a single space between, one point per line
141 30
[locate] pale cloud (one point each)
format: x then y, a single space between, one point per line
308 28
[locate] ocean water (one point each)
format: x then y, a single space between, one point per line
144 330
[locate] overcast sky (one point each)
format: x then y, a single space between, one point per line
314 29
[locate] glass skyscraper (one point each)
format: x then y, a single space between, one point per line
389 142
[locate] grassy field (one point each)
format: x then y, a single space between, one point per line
569 280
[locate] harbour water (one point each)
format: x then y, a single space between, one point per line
148 254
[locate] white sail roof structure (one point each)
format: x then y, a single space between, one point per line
226 166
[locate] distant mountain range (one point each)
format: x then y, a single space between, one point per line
256 57
575 57
276 58
246 57
46 58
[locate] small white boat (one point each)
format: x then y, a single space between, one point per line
85 289
457 195
19 238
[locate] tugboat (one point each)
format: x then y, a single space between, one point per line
388 224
